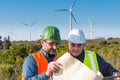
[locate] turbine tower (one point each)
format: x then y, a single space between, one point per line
29 25
71 14
91 29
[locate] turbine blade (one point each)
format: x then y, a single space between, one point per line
33 23
74 18
62 10
10 33
90 21
25 24
73 3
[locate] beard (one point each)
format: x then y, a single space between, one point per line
52 51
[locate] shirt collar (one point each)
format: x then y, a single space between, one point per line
47 55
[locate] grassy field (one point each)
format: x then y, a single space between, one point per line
11 59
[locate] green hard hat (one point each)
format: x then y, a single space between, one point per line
51 33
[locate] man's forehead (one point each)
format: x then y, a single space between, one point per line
76 44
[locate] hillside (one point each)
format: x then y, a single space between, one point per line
11 60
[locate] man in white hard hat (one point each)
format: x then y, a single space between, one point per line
76 42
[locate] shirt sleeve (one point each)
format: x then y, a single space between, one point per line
105 68
30 70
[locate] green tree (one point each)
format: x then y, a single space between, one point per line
1 44
7 43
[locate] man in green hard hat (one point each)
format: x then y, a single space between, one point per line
41 65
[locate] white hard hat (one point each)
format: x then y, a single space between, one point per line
76 36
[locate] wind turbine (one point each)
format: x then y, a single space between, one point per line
91 29
71 14
29 25
10 34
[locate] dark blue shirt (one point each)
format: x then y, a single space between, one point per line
105 68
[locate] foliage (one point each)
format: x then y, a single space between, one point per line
7 43
1 44
6 71
11 59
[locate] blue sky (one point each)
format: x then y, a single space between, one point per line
105 14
